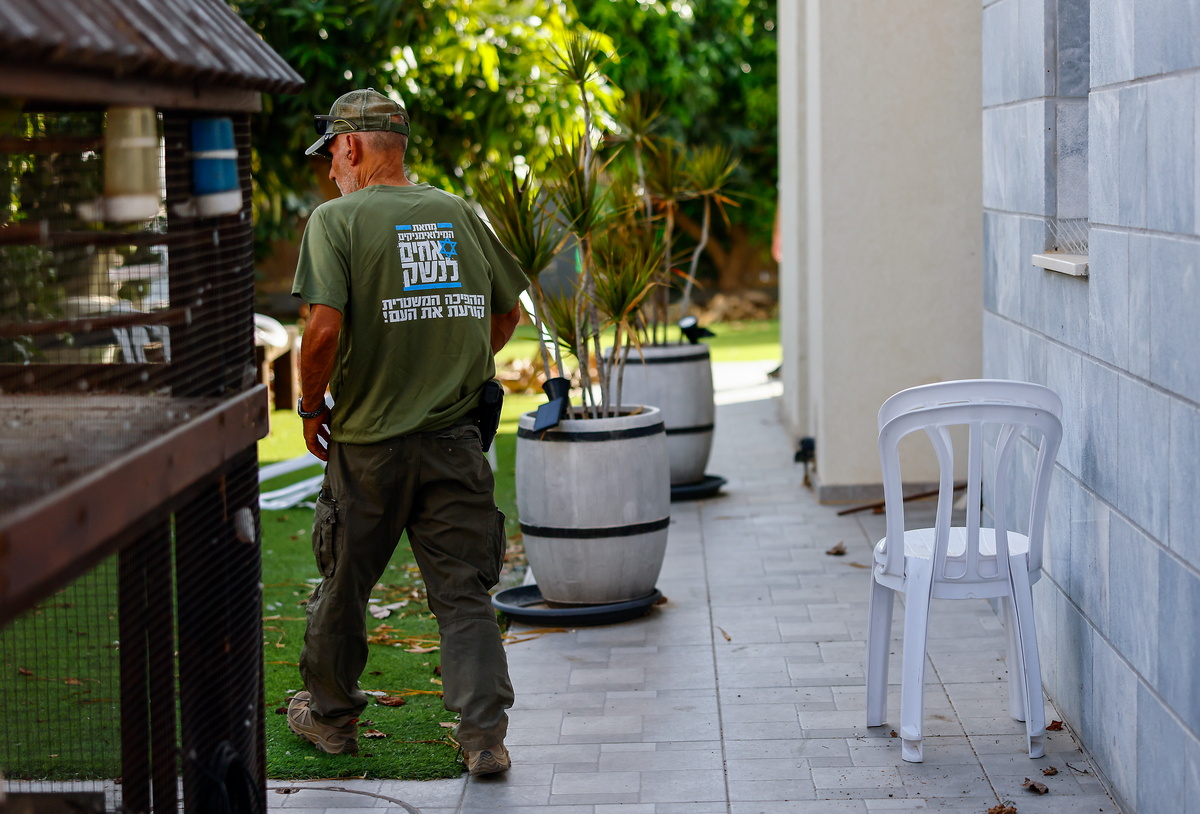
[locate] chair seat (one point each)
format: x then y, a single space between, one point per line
919 544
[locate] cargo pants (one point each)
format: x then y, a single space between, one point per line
438 487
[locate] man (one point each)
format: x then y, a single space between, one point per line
410 296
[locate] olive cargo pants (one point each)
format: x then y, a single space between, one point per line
438 487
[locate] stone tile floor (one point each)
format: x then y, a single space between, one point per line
743 693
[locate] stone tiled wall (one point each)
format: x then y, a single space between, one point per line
1091 109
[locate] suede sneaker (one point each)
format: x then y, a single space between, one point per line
492 760
335 740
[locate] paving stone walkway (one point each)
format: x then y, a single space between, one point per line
743 693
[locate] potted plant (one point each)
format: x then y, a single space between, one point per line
673 375
593 489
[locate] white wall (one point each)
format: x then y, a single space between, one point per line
892 196
793 282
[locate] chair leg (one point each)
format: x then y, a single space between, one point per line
1016 674
1031 668
879 639
912 687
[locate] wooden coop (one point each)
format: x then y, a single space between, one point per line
130 607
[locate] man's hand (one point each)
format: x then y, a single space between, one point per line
316 430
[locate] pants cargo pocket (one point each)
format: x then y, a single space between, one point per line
496 547
326 534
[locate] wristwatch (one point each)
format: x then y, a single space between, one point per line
317 413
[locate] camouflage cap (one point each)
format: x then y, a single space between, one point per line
356 112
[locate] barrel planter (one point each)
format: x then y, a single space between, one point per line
678 380
594 500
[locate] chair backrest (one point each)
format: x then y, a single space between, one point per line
1009 406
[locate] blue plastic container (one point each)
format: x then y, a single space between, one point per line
214 167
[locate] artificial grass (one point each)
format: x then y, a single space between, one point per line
60 684
417 746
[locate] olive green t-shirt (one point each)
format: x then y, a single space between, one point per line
416 275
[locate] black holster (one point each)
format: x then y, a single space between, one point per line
487 412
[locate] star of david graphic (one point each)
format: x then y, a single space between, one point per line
449 248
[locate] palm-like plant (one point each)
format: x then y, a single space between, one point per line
708 168
580 200
669 183
620 257
578 61
517 210
627 260
637 119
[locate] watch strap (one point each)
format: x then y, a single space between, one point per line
305 414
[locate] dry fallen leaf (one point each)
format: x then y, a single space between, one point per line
1054 726
1049 771
837 551
1002 809
24 672
893 734
728 638
392 701
281 710
72 681
373 733
1034 786
447 725
376 673
858 565
437 681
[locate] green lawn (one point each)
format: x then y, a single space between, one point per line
417 746
403 659
60 684
750 341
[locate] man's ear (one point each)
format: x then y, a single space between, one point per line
353 148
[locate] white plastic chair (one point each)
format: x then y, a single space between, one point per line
964 562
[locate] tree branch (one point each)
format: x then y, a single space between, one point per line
714 249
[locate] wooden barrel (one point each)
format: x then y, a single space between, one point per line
678 380
594 501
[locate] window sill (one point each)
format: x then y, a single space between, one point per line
1075 265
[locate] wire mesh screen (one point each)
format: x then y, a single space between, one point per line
72 292
125 334
60 689
160 305
1068 235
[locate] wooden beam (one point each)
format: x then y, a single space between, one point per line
54 539
98 91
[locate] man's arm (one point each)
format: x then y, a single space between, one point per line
503 326
318 350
